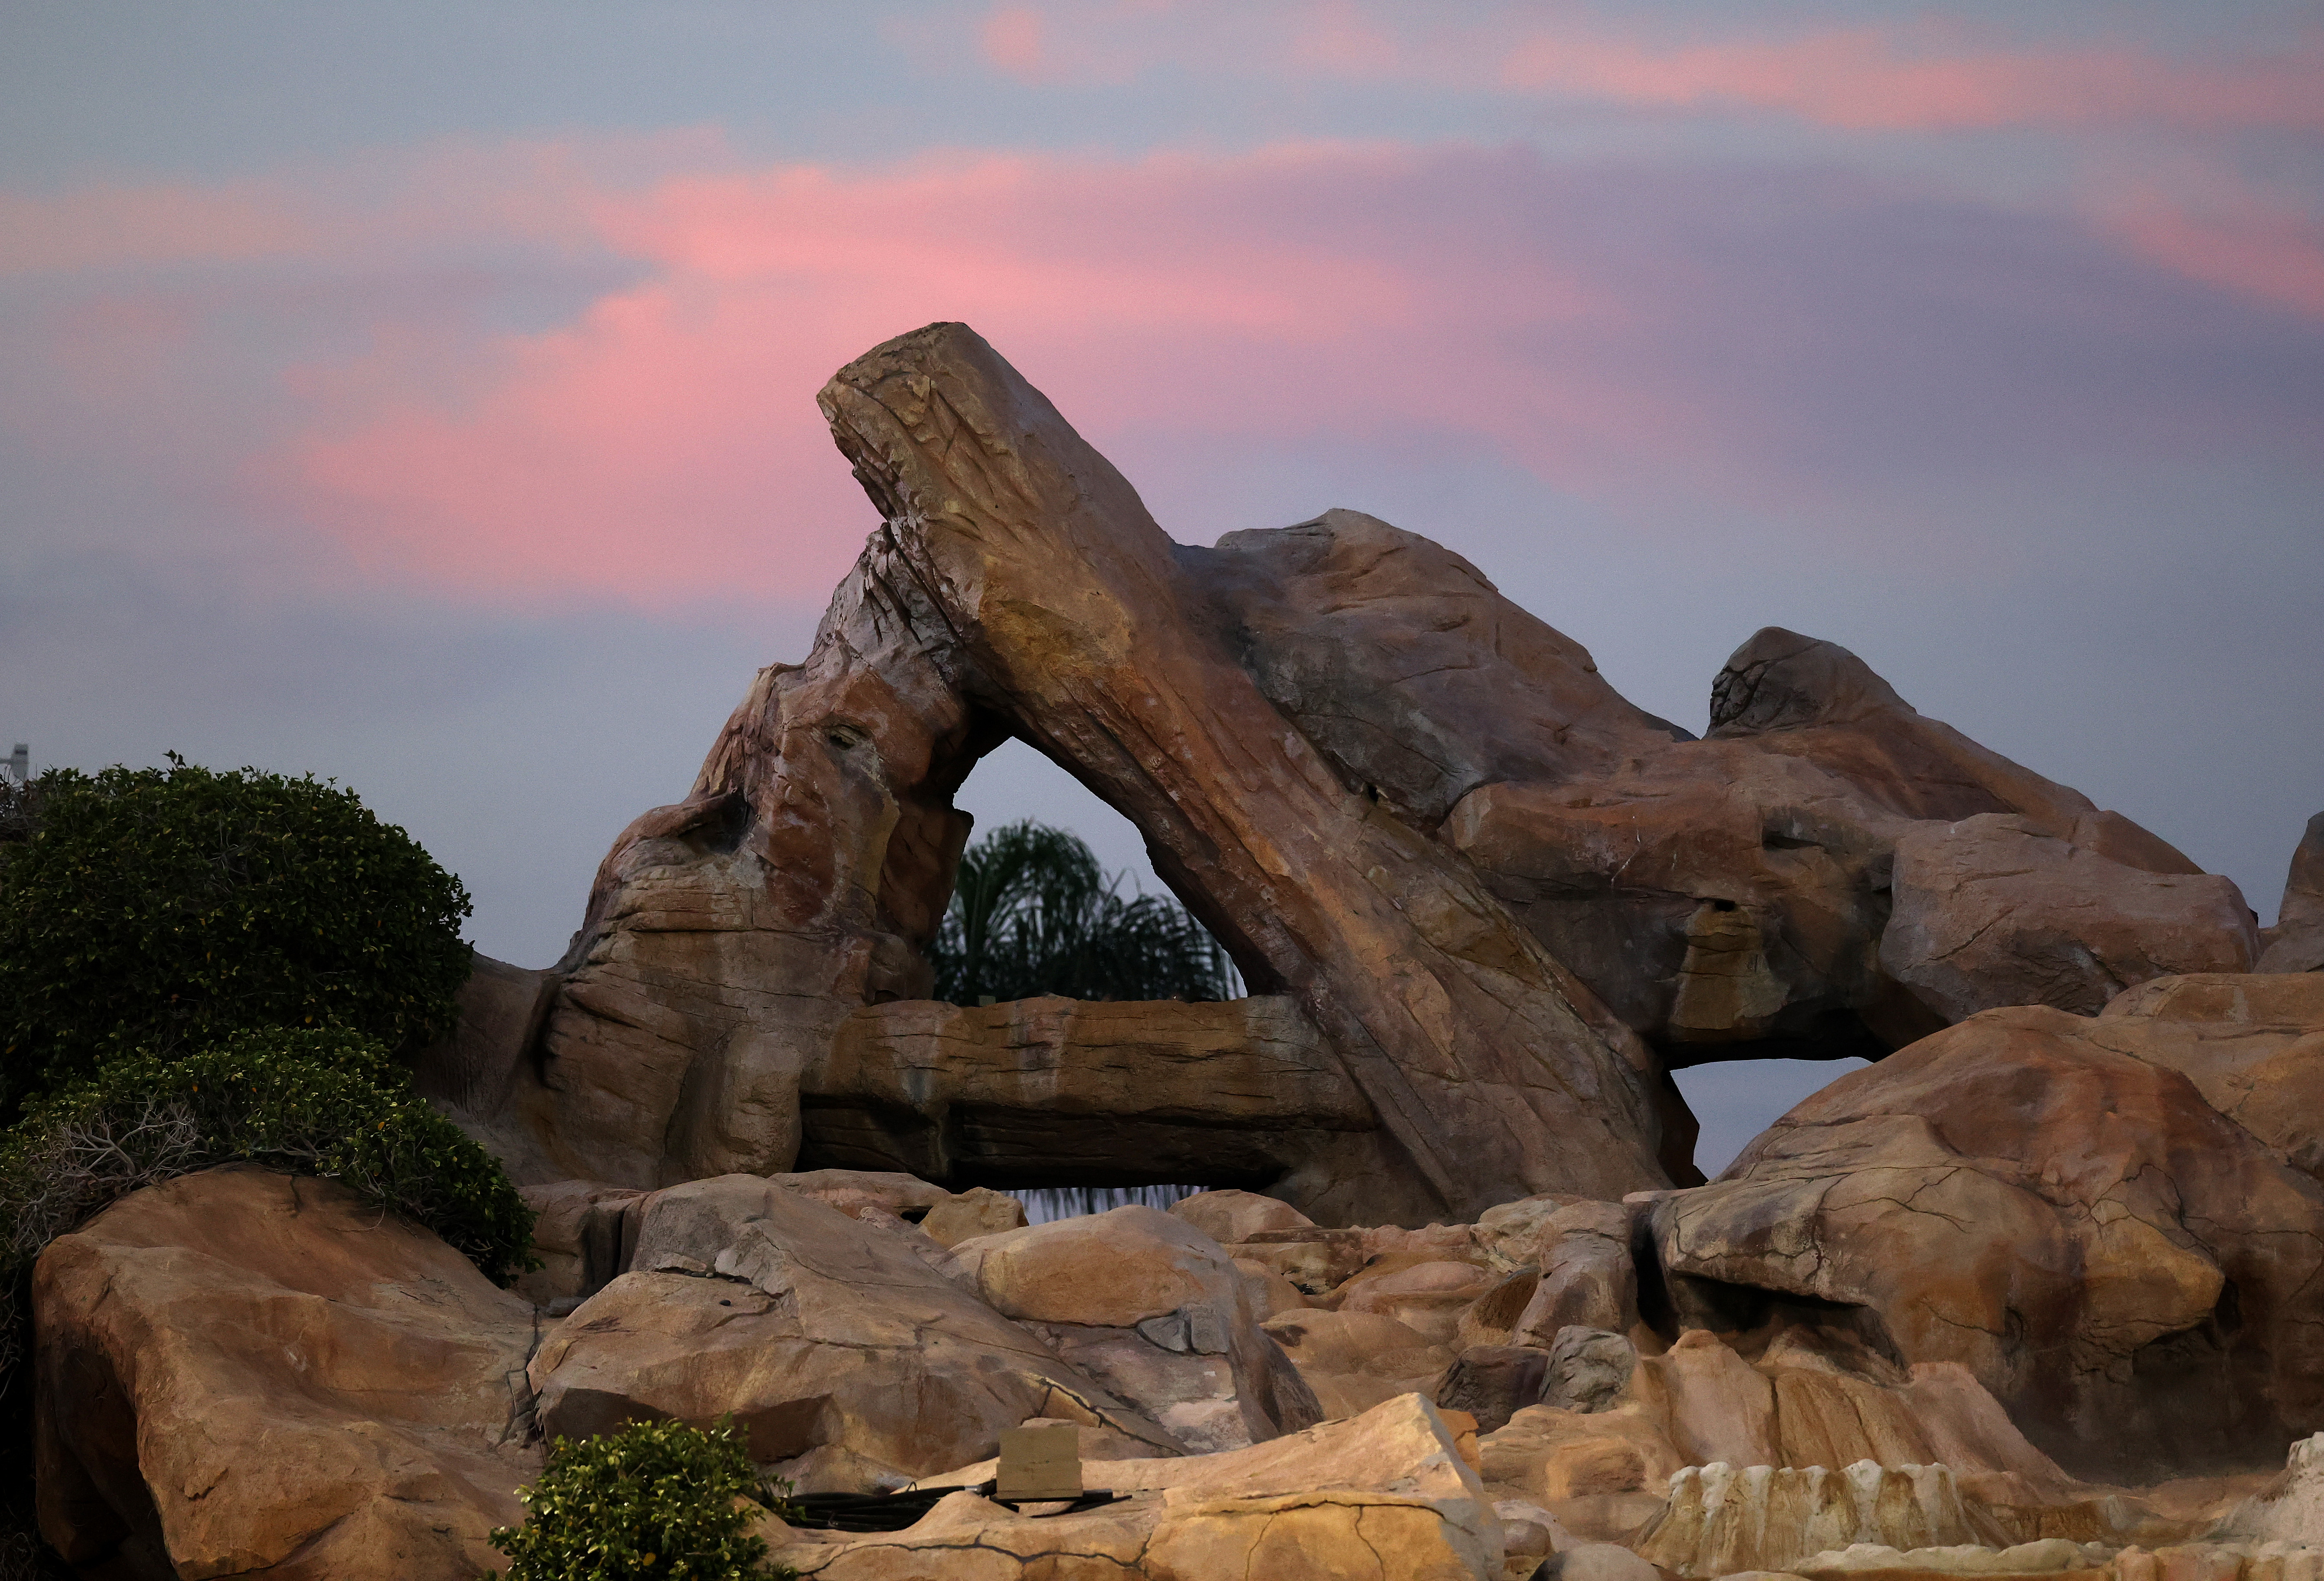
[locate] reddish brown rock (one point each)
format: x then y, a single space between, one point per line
2252 1045
2126 1270
240 1373
2296 941
1993 911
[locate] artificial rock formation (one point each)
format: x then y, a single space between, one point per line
2296 941
1722 1519
240 1374
1484 902
807 1327
2129 1271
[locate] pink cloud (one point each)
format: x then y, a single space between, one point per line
1788 345
2272 256
1864 79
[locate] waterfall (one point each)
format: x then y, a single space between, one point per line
1046 1203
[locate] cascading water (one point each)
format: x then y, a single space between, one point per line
1046 1203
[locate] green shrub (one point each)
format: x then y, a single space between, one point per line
319 1101
162 909
655 1500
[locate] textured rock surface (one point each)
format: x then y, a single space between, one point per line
1389 1496
241 1373
1228 1216
2292 1510
1353 1361
1993 910
1722 1519
1157 1312
1734 890
2129 1271
2296 941
811 1329
1589 1278
2253 1045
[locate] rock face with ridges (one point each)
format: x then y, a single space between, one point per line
1722 1519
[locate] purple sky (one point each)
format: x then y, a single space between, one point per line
423 394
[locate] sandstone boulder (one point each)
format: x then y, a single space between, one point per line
1426 1295
1995 910
1228 1216
2121 1266
2252 1045
1602 1473
1589 1278
240 1374
1354 1361
811 1329
1154 1310
974 1212
2296 941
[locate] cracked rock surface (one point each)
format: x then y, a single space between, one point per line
2133 1274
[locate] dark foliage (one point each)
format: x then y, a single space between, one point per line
160 909
658 1500
1032 914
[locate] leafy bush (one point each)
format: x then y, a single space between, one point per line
160 909
1033 914
657 1499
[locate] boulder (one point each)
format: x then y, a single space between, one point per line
2252 1045
1722 1519
2296 941
2122 1266
811 1329
1427 1294
974 1212
1493 1383
1996 910
1728 895
1154 1310
1510 1233
732 1000
1492 1318
238 1373
1228 1216
1602 1473
1587 1369
1354 1361
1589 1278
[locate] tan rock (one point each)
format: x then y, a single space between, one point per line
2252 1045
810 1327
2061 1220
1427 1296
2291 1510
2296 941
1228 1216
1712 1404
1271 1295
1510 1233
1355 1361
1315 1262
1996 910
1722 1519
237 1373
1602 1473
1589 1277
1492 1318
976 1212
1154 1310
582 1239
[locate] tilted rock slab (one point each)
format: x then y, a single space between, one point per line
2296 941
1723 1518
1019 587
241 1373
811 1329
